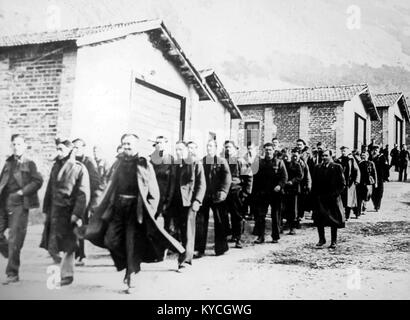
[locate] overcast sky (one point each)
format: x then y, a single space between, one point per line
258 44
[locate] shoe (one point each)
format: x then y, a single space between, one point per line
80 263
332 245
238 244
232 239
292 232
66 281
321 243
275 241
198 255
184 267
259 240
11 279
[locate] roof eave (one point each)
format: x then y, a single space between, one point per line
367 100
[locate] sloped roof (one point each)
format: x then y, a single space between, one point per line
298 95
156 29
386 100
222 94
308 95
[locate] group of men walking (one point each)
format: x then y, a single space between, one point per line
120 207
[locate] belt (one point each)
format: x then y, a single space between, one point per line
126 196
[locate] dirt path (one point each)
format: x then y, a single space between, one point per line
371 262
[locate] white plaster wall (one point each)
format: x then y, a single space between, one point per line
394 111
211 117
350 108
104 76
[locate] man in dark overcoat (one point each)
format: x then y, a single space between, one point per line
218 182
404 157
382 166
240 190
292 190
352 178
327 185
187 196
163 164
368 181
19 183
124 220
96 188
304 198
65 204
268 186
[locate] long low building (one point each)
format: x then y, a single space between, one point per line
334 115
99 82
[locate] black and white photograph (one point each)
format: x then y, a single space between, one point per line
202 150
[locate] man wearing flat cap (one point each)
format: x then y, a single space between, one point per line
240 189
65 204
162 163
19 183
351 173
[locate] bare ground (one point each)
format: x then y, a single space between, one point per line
371 262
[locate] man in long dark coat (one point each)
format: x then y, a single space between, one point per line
163 164
124 220
292 190
268 186
327 185
19 183
241 188
352 178
304 198
368 181
404 157
218 182
382 166
96 188
394 154
187 196
65 205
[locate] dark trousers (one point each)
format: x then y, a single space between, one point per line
185 220
263 203
377 195
290 205
14 217
403 173
126 239
80 251
235 207
220 227
333 232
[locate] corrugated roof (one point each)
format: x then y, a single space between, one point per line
63 35
386 99
298 95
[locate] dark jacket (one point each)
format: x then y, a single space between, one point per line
382 168
148 199
271 173
191 181
96 183
27 177
328 184
394 154
163 167
242 177
350 170
404 157
295 176
368 174
67 194
218 178
306 183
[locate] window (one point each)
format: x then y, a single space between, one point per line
252 133
399 131
359 132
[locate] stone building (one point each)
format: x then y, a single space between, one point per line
334 115
99 82
394 115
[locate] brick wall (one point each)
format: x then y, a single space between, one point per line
286 119
323 125
36 94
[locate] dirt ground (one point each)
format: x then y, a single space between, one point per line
372 261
